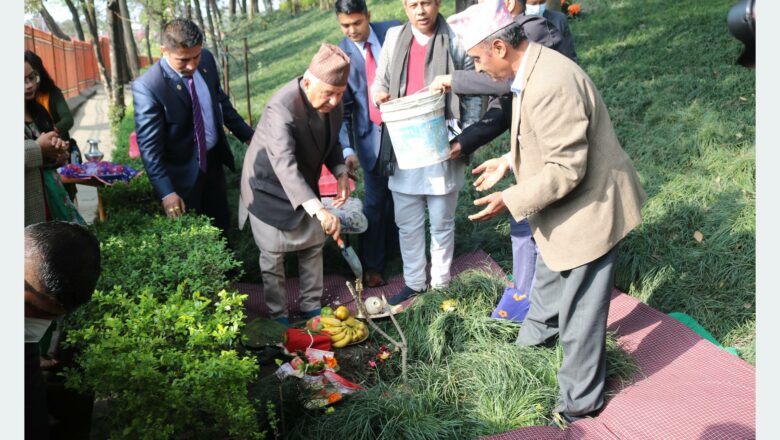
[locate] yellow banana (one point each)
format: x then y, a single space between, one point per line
341 334
351 322
328 321
344 342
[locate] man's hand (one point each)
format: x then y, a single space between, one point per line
381 98
441 83
343 191
51 147
329 222
173 205
454 150
492 171
495 205
352 164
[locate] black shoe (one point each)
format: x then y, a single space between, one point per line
401 296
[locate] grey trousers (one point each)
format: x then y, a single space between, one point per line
306 241
574 304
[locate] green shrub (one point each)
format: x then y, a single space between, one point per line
134 196
141 252
165 364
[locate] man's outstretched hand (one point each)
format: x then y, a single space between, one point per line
495 205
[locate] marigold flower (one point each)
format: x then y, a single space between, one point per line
502 313
574 9
333 398
330 362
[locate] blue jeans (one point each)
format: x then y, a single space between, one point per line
524 253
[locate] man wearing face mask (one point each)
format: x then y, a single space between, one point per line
298 133
557 18
61 269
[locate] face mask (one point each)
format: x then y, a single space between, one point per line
535 9
35 328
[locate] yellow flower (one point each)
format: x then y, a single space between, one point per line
502 313
449 305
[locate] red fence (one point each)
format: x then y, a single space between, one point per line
71 64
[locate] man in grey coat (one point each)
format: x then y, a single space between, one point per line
298 133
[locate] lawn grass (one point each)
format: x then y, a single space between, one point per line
682 109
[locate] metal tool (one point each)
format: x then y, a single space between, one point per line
352 259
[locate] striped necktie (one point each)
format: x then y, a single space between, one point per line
197 119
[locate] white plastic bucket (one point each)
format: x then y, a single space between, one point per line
417 129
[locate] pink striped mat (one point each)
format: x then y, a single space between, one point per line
687 388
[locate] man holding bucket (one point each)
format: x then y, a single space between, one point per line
575 184
298 133
360 132
414 54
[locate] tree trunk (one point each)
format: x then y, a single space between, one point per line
115 50
199 17
251 7
130 47
76 20
232 8
147 36
268 6
187 9
217 15
553 5
88 6
210 21
243 7
217 20
54 28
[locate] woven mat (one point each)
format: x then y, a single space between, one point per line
335 291
687 388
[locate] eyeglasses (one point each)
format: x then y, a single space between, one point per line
33 78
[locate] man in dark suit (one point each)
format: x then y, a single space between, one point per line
180 109
360 132
298 133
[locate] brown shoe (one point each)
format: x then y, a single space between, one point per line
373 278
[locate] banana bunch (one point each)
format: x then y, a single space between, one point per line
344 332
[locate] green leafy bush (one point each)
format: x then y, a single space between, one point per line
165 365
142 252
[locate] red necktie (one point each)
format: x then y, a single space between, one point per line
373 112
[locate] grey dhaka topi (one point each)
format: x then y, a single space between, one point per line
330 65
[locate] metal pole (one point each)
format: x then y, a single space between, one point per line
246 76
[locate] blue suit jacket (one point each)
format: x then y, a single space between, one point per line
355 129
165 130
